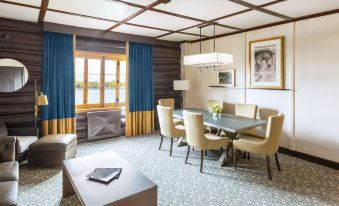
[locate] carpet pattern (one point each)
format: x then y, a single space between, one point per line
299 182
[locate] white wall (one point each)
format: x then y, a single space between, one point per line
311 108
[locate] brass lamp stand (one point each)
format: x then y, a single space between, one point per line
40 100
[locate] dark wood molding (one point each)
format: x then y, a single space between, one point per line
222 17
259 8
335 11
43 9
310 158
142 10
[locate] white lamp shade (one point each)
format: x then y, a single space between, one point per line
181 85
213 59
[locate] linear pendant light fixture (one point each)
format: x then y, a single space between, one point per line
208 60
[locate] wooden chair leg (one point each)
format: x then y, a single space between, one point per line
188 153
205 152
161 138
277 161
235 157
248 156
244 155
268 165
171 147
193 149
201 159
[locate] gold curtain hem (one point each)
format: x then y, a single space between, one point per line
59 126
139 123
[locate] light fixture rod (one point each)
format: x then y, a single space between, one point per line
214 36
200 39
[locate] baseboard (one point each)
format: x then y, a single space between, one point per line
310 158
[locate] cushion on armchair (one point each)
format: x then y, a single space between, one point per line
7 149
3 130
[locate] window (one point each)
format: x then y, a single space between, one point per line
100 80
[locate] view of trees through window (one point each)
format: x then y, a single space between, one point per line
100 80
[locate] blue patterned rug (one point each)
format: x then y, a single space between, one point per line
299 182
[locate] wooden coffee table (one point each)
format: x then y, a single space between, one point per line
132 187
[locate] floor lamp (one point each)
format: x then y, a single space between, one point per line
181 85
40 100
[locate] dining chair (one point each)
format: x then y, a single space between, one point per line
210 103
196 137
170 103
167 127
249 111
267 145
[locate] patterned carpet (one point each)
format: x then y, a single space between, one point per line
299 182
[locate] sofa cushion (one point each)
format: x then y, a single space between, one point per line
54 143
24 142
8 193
3 130
9 171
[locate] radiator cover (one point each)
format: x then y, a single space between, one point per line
103 124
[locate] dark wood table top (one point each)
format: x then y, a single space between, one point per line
130 182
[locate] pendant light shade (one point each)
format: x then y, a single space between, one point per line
208 59
212 59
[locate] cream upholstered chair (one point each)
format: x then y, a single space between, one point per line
196 138
167 127
250 111
267 146
220 103
170 103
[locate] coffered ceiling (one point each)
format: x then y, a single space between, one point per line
175 20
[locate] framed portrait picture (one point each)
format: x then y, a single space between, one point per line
226 78
266 58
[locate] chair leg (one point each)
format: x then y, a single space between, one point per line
193 149
161 138
268 165
277 161
248 156
171 147
235 157
244 155
201 159
205 152
188 153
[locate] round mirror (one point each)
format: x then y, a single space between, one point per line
13 75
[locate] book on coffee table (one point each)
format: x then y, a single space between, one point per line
104 175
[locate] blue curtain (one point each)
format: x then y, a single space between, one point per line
58 84
140 115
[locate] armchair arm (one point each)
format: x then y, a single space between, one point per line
7 149
22 131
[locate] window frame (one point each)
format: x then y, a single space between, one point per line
102 56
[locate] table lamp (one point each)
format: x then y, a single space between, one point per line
40 100
181 85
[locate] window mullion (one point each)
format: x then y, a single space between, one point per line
102 82
117 88
86 81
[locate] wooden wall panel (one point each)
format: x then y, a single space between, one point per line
17 108
166 68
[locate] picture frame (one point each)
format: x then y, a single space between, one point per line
266 61
226 78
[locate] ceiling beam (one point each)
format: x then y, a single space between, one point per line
142 10
325 13
43 9
222 17
259 8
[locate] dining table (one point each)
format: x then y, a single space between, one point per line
231 124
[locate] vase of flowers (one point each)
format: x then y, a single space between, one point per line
215 110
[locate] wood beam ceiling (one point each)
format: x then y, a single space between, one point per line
259 8
251 7
142 10
43 9
222 17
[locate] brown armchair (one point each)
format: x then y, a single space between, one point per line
24 137
9 172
